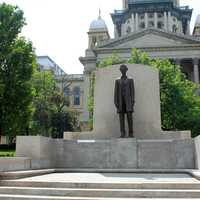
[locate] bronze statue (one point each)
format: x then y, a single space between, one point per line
124 99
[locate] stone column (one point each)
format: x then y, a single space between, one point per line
123 31
133 22
136 22
165 21
146 20
116 32
196 70
188 27
169 22
155 20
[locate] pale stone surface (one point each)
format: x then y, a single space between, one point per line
168 135
99 154
197 152
101 186
15 163
113 178
169 154
108 154
38 148
147 117
151 40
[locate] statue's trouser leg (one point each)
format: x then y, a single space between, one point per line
130 123
122 124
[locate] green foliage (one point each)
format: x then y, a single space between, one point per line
51 114
17 62
30 103
11 24
91 99
139 57
44 87
180 107
7 153
113 60
63 121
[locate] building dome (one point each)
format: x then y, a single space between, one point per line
98 24
197 23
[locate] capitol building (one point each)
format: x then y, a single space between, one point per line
161 28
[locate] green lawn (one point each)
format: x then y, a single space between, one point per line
7 153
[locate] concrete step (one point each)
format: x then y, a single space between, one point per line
102 193
24 174
103 185
23 197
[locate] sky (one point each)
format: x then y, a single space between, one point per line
58 28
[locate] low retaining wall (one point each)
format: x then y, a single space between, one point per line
110 154
41 150
14 164
197 152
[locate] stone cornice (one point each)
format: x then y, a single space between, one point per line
114 42
150 49
86 60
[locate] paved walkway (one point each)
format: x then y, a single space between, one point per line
113 177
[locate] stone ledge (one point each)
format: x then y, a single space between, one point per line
15 163
113 153
30 173
173 135
25 173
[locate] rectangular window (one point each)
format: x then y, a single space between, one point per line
77 100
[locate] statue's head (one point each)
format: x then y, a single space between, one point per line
123 68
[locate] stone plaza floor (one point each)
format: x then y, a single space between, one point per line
114 177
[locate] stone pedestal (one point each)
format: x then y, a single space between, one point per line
108 154
102 149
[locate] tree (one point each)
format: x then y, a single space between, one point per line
113 60
44 87
180 101
17 62
51 114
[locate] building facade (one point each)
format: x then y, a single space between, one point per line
159 27
70 84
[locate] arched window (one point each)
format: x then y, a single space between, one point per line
94 41
77 95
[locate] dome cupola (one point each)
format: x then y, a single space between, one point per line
98 32
98 24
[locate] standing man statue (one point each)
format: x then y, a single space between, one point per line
124 99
